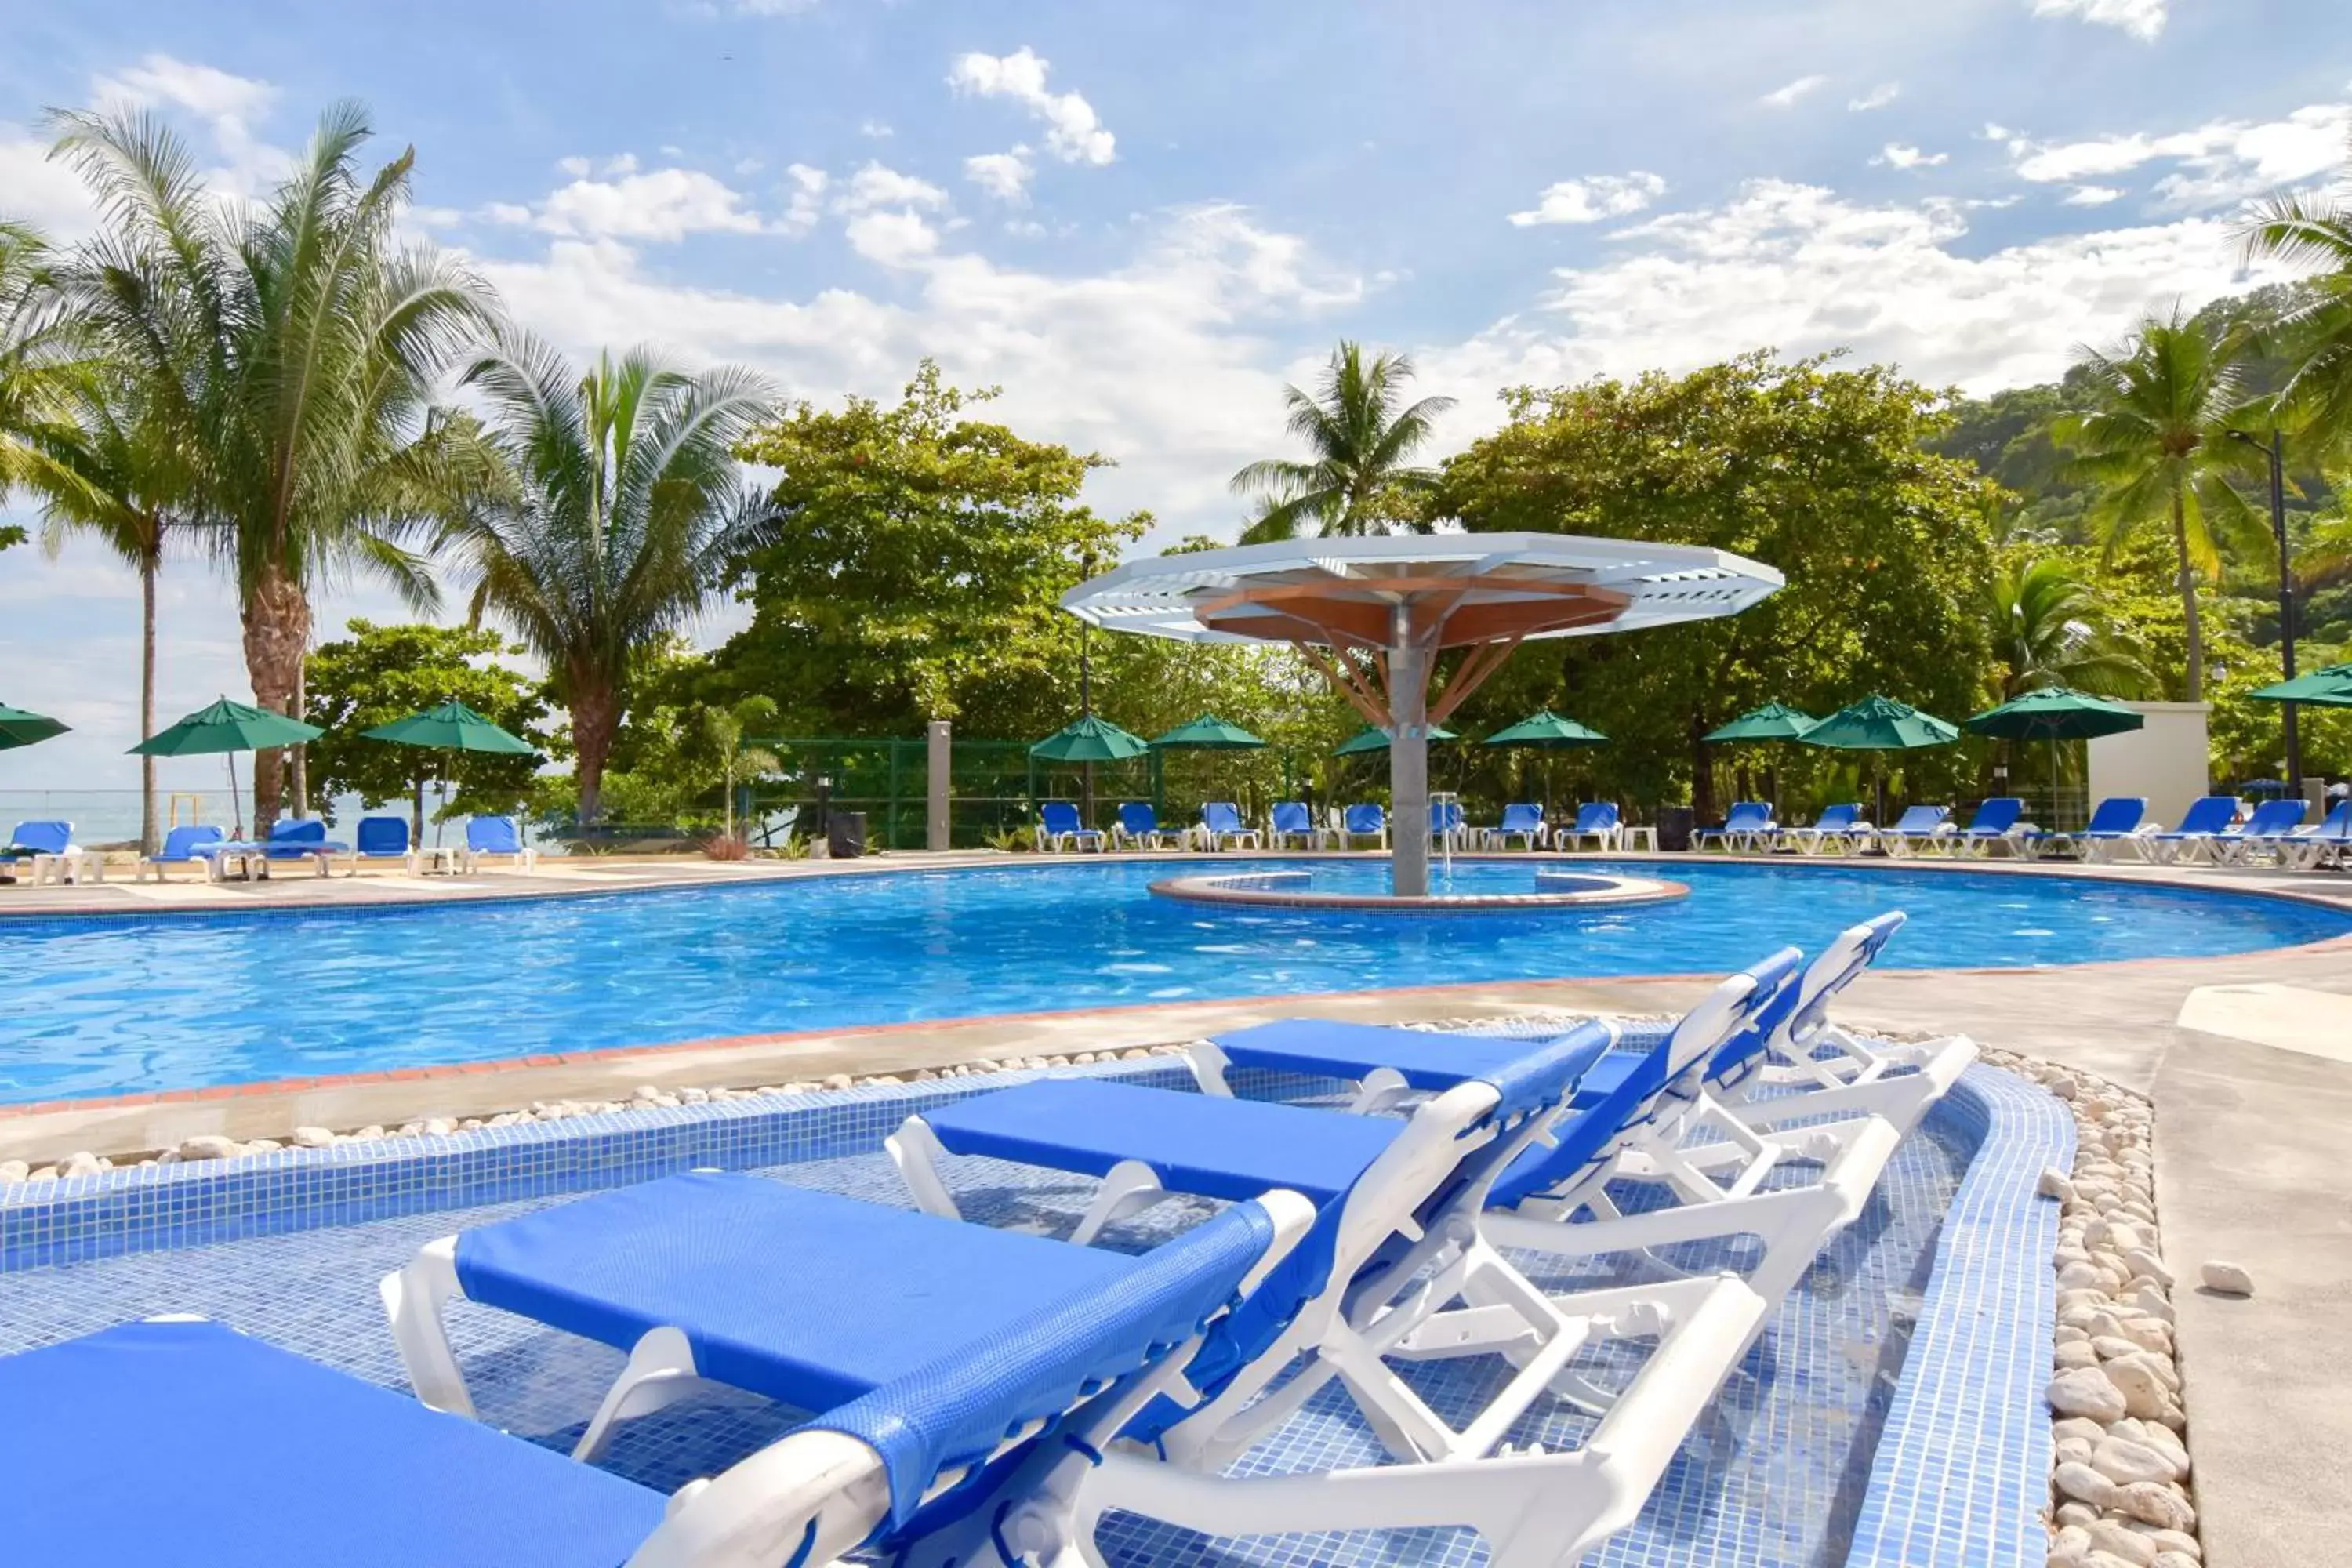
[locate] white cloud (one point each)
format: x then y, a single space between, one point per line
45 195
1593 198
1004 176
2143 19
1786 97
228 105
894 240
879 185
2092 196
2219 164
1900 155
1878 97
773 8
1072 133
808 187
1803 269
661 205
876 128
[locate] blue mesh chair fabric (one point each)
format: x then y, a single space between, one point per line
493 836
190 1444
382 837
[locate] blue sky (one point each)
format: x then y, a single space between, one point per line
1142 220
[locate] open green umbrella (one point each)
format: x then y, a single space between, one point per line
1089 740
1880 724
451 727
1207 733
1774 721
228 728
1372 738
2328 688
2055 714
19 727
1546 731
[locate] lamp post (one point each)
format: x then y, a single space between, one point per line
2275 450
1086 698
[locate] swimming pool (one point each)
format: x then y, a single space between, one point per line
123 1006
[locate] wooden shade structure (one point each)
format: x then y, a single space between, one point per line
1374 613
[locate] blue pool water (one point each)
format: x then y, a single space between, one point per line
115 1006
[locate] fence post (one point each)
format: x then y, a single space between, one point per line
939 736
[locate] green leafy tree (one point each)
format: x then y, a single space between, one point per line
1819 471
382 673
723 730
2314 232
916 567
39 359
2151 434
2049 629
291 349
1360 477
626 515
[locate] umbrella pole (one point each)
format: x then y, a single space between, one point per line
235 805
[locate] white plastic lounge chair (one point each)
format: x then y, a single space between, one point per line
1222 824
2119 823
1745 826
305 1465
488 836
1060 827
1291 819
1448 824
2309 849
1919 827
682 1274
2271 830
1994 825
1137 826
2201 827
1522 820
1363 820
1596 820
1839 828
187 844
50 855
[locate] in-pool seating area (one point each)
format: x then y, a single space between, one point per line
1396 1286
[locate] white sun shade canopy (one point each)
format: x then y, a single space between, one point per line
1456 589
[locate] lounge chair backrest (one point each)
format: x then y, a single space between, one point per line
1292 816
1221 816
2337 824
1922 818
1850 952
1058 816
1365 818
1137 816
1747 815
1837 818
493 836
1521 817
2275 816
382 835
182 842
2209 813
959 1411
46 837
2117 813
1596 817
298 830
1445 815
1998 814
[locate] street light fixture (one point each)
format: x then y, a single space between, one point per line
2275 450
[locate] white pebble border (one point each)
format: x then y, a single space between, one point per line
2120 1471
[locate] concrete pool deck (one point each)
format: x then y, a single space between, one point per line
2245 1059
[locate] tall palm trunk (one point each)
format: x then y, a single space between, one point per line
277 631
301 754
2196 684
595 718
150 566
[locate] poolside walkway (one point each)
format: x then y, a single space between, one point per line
2248 1060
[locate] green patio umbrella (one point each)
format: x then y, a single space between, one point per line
1207 733
2328 688
1089 740
1773 723
1372 738
451 727
19 727
1546 731
1878 724
228 728
2053 713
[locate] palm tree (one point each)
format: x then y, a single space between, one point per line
723 730
627 512
2314 232
2047 630
39 354
2154 436
290 350
1360 479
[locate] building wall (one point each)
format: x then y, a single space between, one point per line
2165 761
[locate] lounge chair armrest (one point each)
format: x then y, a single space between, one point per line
810 1498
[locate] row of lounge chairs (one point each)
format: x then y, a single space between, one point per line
1292 825
987 1397
49 847
2210 831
